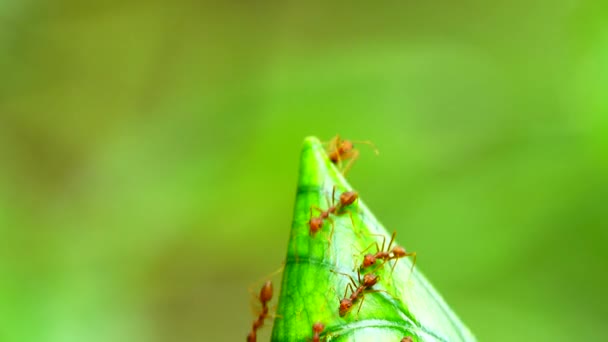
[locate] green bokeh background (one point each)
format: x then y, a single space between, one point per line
149 150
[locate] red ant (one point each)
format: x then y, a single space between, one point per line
407 339
357 291
265 297
317 329
396 253
340 150
316 223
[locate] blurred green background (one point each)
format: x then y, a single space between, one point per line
149 154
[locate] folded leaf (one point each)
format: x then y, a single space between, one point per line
405 303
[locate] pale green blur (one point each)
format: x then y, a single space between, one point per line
149 149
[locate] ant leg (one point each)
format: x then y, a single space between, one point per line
331 234
333 226
332 142
333 288
253 292
264 279
393 267
333 195
335 142
352 220
352 280
353 156
315 208
267 276
360 305
368 247
391 242
338 156
348 286
350 213
339 163
331 203
375 270
274 315
369 143
383 241
413 255
355 261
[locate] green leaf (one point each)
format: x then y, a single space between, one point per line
311 289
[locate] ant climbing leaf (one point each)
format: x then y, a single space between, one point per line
322 271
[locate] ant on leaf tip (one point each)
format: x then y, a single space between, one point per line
340 150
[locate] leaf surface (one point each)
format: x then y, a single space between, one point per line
407 304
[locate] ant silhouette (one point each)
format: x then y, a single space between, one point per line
316 223
357 290
396 253
264 297
340 150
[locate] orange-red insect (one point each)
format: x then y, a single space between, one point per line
316 223
389 254
357 290
340 150
265 297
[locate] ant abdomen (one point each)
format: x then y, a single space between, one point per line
266 292
348 198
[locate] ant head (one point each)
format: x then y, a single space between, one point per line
399 252
346 145
368 260
348 197
318 327
315 224
266 292
345 305
407 339
370 279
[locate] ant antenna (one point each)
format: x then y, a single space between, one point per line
369 143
